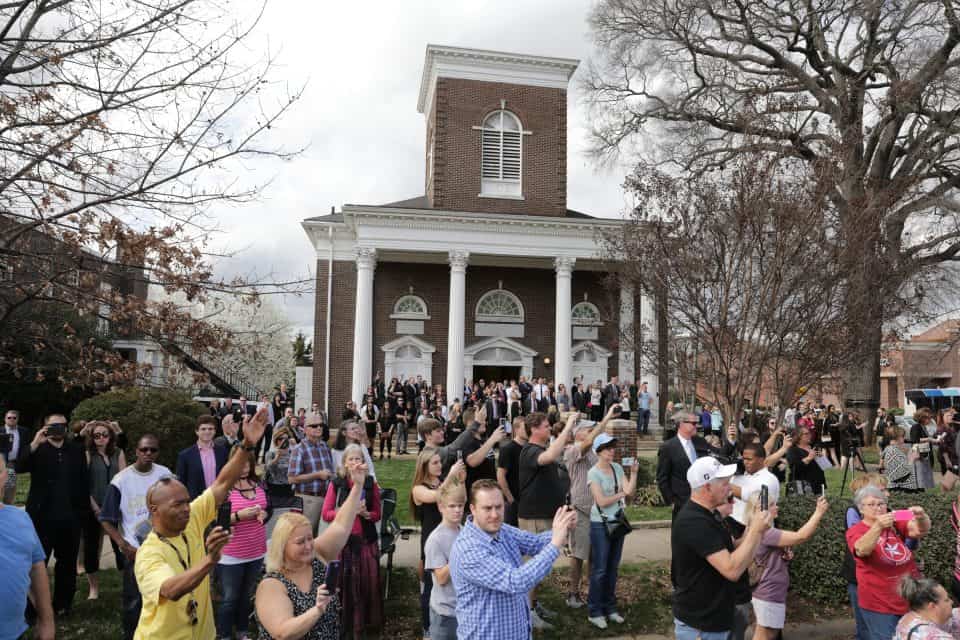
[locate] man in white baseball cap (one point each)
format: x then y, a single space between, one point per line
704 565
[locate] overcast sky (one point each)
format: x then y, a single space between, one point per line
360 63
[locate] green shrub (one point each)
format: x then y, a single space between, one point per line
648 496
646 470
815 570
172 415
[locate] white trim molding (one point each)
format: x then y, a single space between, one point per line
505 346
408 367
490 66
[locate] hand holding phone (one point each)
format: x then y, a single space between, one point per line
764 498
628 463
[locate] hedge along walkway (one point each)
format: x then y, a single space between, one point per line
825 630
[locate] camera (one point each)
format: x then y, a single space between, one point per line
57 429
238 415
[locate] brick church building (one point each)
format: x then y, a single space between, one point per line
486 275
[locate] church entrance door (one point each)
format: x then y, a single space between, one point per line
495 373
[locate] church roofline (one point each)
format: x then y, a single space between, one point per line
491 66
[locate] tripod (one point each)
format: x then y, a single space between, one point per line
853 448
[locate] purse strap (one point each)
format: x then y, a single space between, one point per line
616 489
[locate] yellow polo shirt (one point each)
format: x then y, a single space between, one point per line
162 619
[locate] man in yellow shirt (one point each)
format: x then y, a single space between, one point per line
174 562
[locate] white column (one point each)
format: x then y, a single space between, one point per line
455 324
625 367
561 368
363 324
648 369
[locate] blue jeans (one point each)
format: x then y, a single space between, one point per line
237 583
879 626
684 631
643 420
442 627
857 611
605 555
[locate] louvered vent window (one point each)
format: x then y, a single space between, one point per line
502 154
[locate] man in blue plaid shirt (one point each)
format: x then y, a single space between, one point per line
488 572
311 467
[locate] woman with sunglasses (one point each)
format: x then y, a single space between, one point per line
104 461
278 462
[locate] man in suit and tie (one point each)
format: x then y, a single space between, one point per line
611 394
199 464
246 408
15 448
496 408
675 457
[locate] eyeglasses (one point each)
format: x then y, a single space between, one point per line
148 449
874 505
10 417
101 436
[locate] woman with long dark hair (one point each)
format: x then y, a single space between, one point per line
104 460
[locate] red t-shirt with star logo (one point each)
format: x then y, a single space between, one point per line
879 573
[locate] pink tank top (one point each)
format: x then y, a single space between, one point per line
249 536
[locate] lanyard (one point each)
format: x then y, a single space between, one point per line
186 543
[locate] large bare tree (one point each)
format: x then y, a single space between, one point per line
863 93
121 125
749 278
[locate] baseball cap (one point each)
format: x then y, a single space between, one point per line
583 424
706 469
603 440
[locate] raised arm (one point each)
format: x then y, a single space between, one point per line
732 565
804 533
587 443
555 450
252 431
476 458
329 543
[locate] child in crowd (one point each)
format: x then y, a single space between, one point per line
443 598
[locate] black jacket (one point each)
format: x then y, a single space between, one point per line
672 465
55 473
190 468
24 449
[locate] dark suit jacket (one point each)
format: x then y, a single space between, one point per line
26 437
580 400
672 465
493 423
47 481
611 396
190 469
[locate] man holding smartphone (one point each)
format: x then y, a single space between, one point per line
57 502
174 562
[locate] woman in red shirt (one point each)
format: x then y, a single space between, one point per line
359 580
882 558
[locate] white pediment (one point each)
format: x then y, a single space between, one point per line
408 341
502 343
588 344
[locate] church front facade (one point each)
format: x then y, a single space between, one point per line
487 275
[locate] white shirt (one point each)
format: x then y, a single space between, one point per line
688 447
749 484
15 434
133 486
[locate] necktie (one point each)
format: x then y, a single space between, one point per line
691 452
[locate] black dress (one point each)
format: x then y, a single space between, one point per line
809 473
328 626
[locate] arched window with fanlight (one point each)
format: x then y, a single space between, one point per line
501 138
410 312
499 313
585 318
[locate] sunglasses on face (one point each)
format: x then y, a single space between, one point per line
101 436
148 449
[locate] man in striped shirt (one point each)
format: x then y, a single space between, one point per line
311 467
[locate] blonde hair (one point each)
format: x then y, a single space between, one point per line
286 525
347 452
452 492
868 479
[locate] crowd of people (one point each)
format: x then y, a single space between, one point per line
270 521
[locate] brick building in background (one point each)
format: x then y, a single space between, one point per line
488 274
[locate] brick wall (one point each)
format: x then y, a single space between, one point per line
458 106
341 329
536 289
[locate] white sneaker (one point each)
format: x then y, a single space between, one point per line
599 622
539 623
615 617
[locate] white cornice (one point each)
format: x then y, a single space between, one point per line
490 66
427 232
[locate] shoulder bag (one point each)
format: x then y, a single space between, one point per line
618 525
